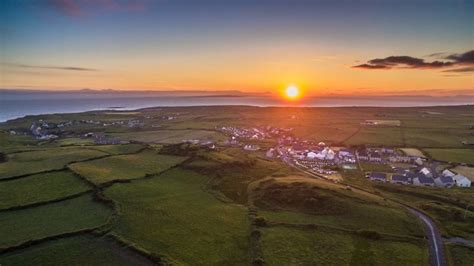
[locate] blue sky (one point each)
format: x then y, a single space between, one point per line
164 44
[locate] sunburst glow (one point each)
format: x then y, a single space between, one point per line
292 92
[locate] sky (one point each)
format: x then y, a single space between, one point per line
324 47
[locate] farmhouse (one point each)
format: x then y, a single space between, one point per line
426 172
444 181
376 176
251 147
462 181
422 180
375 157
362 155
446 172
270 153
400 179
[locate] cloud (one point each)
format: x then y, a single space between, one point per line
67 7
465 58
461 70
76 8
404 62
68 68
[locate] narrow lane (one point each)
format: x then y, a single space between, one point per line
435 241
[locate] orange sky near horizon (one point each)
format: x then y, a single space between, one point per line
249 46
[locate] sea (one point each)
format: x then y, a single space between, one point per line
17 103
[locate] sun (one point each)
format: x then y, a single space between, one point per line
292 92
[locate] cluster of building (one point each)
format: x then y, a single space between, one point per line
101 139
423 177
40 130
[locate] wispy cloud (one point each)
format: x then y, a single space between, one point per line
67 68
466 60
76 8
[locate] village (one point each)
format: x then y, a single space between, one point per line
326 160
391 165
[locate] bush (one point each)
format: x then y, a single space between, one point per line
3 157
369 234
260 221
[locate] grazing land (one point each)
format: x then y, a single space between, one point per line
75 250
40 188
233 185
161 214
124 167
452 155
63 217
315 247
24 163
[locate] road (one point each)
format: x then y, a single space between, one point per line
435 242
434 238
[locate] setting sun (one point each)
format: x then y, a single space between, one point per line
292 92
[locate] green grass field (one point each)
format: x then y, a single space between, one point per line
170 136
173 216
40 188
122 167
49 220
374 167
452 155
119 149
291 246
76 250
390 136
44 160
461 255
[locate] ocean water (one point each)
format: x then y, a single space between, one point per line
19 104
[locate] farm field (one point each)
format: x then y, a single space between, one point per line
30 162
160 214
462 256
72 215
330 205
452 155
413 152
296 246
170 136
123 167
40 188
465 171
72 251
391 136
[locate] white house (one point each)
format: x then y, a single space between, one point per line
311 155
425 171
462 181
446 172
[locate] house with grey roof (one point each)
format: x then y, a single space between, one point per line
400 179
444 181
462 181
377 176
422 180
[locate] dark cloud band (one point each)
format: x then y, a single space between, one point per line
397 62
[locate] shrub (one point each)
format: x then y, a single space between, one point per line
369 234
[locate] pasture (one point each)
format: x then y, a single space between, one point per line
452 155
67 216
75 250
40 188
30 162
296 246
302 200
123 167
170 136
172 215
